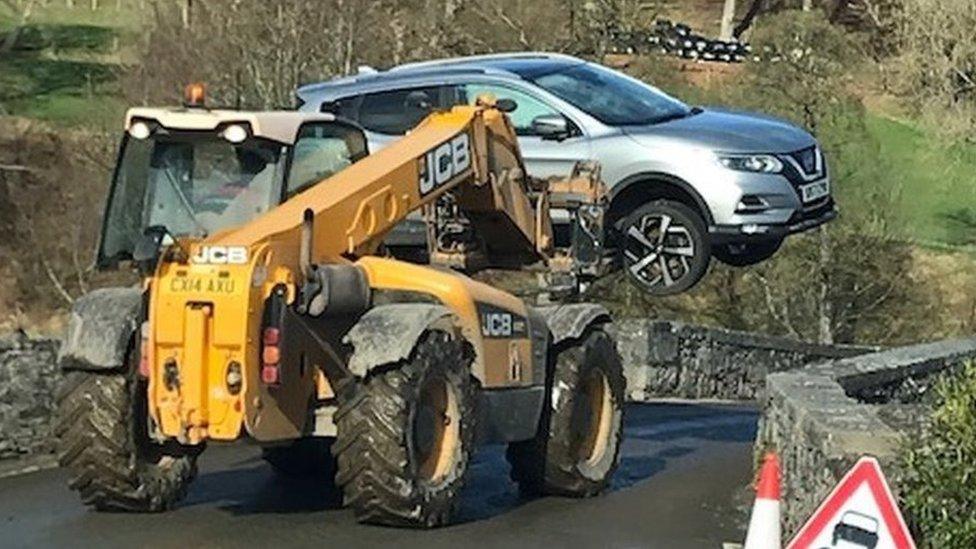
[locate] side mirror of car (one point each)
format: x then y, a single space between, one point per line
551 126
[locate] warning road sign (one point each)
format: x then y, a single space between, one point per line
860 512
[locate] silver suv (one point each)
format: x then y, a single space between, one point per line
686 183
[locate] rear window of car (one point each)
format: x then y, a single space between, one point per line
398 111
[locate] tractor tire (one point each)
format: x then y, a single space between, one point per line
306 457
576 449
102 430
406 434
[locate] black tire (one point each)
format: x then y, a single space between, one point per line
564 457
102 430
664 262
306 457
744 255
385 468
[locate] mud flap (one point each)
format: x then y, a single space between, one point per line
101 328
570 321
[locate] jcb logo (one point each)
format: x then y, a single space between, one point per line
496 325
439 165
220 255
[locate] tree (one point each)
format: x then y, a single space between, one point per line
22 11
937 61
728 13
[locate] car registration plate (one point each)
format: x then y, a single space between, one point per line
815 191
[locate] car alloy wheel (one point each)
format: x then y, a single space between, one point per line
664 247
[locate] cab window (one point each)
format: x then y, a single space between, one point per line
322 150
528 107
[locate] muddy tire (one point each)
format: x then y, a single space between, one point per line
307 457
103 441
576 449
406 434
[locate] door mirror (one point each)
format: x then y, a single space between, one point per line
551 126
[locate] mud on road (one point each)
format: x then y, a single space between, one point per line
681 483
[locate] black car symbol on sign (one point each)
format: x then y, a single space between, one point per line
856 529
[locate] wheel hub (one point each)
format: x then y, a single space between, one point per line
435 431
595 416
657 250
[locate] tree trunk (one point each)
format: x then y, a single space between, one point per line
186 13
754 10
825 307
728 14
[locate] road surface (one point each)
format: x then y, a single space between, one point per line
681 483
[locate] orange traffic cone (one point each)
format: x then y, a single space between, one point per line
764 529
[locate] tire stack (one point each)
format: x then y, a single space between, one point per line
679 40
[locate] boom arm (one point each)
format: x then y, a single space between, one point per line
471 149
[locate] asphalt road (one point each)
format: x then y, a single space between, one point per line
681 483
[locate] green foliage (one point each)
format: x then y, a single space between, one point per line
805 66
933 179
60 71
939 485
58 37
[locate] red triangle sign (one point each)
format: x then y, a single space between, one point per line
859 512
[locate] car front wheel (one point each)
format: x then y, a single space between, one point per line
665 248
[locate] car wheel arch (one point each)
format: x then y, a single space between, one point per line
638 189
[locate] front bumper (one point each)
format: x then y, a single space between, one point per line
801 221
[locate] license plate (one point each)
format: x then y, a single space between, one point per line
814 191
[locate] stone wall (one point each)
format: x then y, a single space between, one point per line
671 359
662 359
28 381
822 418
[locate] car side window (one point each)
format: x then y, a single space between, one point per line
347 107
398 111
528 107
322 150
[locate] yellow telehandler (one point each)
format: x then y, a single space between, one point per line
268 311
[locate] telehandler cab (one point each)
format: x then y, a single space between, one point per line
267 311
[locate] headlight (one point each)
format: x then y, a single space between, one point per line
140 130
235 133
756 163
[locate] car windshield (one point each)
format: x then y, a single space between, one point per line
611 97
191 184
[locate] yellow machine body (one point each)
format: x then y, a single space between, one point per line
202 341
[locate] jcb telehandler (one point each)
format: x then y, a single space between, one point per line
267 311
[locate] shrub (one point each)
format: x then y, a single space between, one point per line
939 488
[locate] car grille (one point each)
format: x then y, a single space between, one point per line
804 167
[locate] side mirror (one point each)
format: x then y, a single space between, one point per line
551 126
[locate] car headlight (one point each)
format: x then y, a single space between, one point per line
756 163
